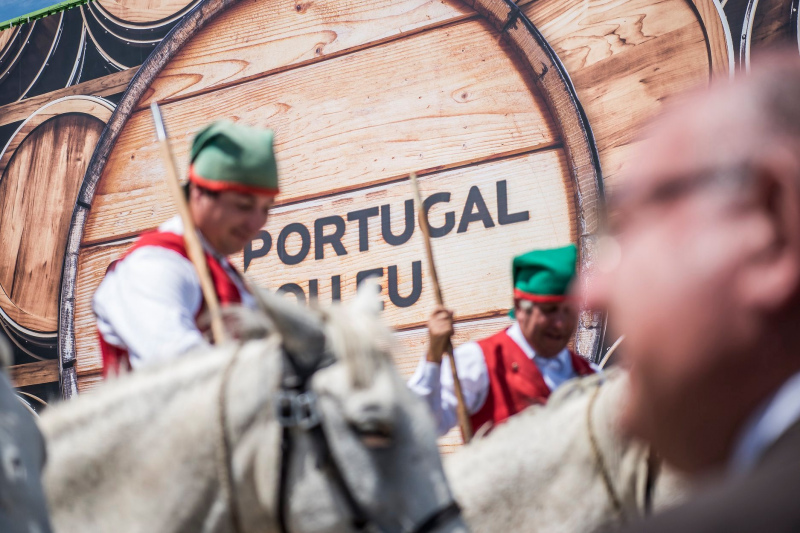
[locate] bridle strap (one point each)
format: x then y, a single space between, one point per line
295 382
600 460
295 385
653 471
286 449
358 518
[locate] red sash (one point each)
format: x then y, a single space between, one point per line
515 382
228 293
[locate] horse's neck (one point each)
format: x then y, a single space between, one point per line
146 449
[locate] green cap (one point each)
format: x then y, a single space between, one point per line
544 275
231 157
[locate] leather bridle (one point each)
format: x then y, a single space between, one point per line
297 409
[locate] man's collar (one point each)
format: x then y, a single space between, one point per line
766 425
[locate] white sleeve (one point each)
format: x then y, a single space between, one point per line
435 384
148 304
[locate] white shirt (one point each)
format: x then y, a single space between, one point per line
147 304
434 382
764 427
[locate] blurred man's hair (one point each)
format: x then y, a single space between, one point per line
775 80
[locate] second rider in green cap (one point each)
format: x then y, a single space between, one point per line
514 368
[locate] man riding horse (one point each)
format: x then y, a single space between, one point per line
148 305
517 367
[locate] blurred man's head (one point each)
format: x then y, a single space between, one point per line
233 182
707 288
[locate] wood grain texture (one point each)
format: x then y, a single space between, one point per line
299 33
91 269
107 85
555 85
89 383
142 12
768 24
536 183
718 37
626 58
35 212
34 373
6 36
332 133
84 105
771 25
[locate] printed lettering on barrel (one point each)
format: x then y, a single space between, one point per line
347 242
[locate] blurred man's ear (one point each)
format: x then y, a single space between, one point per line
771 280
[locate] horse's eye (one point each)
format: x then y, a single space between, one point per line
374 433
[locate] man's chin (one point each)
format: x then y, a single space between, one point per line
234 245
552 346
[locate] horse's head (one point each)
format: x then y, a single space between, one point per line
362 447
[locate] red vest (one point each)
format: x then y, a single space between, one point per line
226 289
515 382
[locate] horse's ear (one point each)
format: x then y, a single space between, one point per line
368 300
300 328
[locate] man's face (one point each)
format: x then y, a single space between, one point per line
684 232
229 220
547 326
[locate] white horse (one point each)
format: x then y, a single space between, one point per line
545 471
308 429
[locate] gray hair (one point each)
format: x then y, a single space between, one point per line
775 86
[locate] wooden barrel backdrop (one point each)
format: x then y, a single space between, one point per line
25 52
140 25
769 24
33 221
506 111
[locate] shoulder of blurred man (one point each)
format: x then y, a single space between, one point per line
764 499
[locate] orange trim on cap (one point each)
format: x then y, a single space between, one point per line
221 186
540 298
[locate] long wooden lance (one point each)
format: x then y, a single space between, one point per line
611 351
461 409
194 248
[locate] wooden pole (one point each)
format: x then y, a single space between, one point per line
611 350
194 248
461 409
